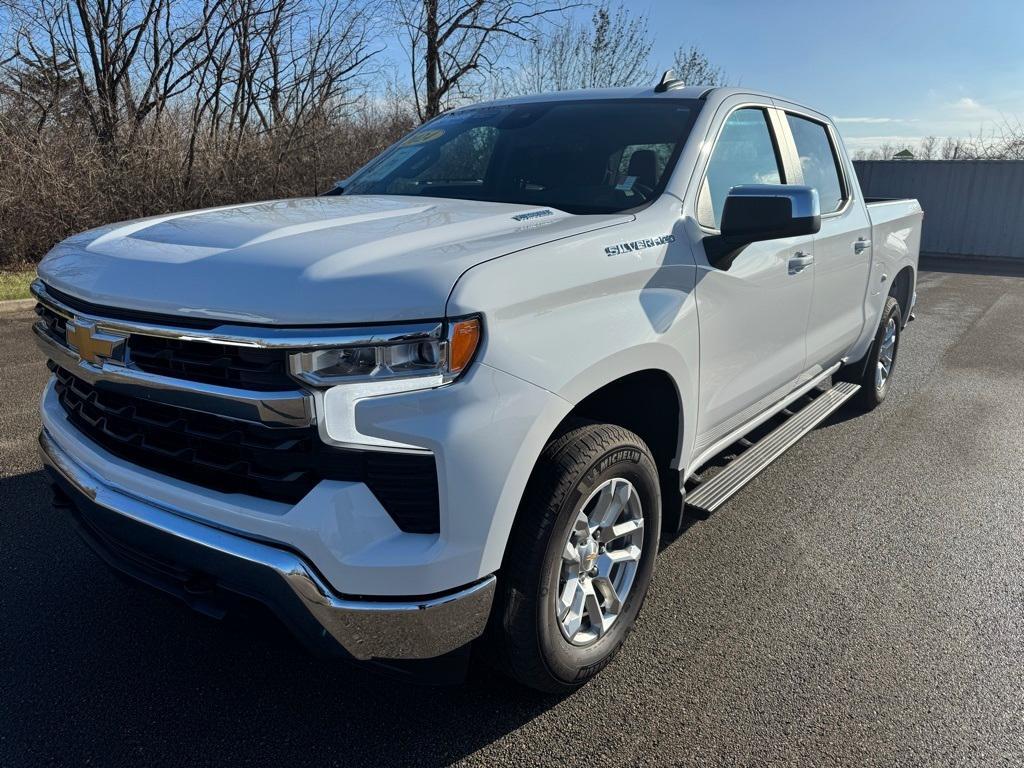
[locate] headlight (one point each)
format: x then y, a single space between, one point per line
423 362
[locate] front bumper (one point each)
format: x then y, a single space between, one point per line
170 551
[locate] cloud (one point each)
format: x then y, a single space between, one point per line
967 104
870 120
967 108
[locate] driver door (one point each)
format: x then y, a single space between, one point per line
753 317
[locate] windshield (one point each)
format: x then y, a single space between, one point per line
577 156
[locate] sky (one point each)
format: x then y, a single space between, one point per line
891 71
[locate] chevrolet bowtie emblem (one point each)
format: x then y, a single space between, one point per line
93 345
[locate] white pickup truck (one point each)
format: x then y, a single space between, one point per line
465 394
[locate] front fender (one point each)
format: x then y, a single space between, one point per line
575 316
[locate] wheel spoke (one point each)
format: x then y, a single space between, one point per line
570 554
612 603
610 502
604 508
624 528
612 557
565 599
598 621
572 617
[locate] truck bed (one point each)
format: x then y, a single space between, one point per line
872 200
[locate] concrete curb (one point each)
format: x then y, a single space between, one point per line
16 305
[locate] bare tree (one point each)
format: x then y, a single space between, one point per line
1003 141
271 62
158 105
118 59
928 148
693 67
611 51
113 109
451 42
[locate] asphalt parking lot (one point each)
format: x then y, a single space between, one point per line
860 603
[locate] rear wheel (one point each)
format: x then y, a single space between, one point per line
580 558
877 370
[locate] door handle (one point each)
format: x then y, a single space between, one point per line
861 245
799 262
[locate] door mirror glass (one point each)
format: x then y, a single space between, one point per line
757 212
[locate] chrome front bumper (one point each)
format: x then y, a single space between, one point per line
128 531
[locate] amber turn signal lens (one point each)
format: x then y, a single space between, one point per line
463 337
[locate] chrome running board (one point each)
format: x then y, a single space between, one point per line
711 494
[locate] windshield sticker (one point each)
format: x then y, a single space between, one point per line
422 137
627 184
638 245
533 215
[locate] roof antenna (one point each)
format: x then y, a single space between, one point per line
669 81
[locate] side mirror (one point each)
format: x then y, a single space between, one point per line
756 212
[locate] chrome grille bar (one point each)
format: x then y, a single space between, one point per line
274 409
245 336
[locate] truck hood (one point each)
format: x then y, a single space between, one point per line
306 261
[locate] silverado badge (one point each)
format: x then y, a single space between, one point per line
638 245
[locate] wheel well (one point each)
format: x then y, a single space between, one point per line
902 288
646 403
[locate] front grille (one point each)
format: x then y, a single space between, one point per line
56 326
282 464
263 370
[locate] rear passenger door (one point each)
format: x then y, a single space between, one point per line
842 249
753 317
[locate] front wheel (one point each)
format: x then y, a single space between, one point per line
580 558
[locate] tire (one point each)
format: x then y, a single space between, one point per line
588 469
874 384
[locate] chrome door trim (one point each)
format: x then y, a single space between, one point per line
838 148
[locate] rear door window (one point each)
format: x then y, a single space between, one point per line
818 161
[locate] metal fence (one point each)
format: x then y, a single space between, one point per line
971 207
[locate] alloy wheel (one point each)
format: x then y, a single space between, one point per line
600 559
886 354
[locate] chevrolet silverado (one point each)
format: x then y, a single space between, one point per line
458 400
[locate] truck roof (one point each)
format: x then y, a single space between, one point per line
709 93
646 92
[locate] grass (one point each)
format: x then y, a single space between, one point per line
14 285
